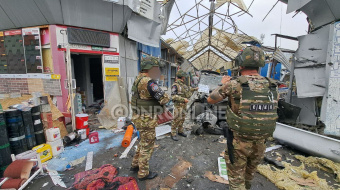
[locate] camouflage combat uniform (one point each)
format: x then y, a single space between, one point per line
179 92
146 121
248 148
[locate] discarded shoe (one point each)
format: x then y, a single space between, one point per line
182 134
150 176
174 137
134 169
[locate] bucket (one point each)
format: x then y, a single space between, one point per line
82 122
53 134
82 134
56 146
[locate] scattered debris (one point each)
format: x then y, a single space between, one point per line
153 183
77 161
273 148
105 176
215 178
127 150
274 162
223 141
56 179
45 184
286 178
89 160
162 130
222 168
177 172
304 182
323 164
156 145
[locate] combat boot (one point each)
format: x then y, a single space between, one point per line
134 169
150 176
182 134
174 137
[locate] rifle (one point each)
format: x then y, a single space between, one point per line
230 136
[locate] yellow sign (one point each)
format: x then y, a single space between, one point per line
1 33
111 78
55 76
111 71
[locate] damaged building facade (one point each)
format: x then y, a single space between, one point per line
319 56
57 48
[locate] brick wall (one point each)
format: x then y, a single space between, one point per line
52 86
11 85
28 86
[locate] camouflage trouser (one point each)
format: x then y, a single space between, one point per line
146 127
247 155
179 117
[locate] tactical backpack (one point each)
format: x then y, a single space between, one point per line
257 111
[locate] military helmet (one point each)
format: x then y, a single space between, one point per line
149 62
180 74
251 56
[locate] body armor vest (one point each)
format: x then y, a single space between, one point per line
183 90
144 106
257 111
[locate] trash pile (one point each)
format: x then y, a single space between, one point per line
297 177
323 164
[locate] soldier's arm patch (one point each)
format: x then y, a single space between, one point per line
174 90
154 90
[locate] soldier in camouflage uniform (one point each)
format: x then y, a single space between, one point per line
251 116
147 101
180 93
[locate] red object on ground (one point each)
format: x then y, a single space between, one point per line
82 122
94 138
127 137
104 177
13 183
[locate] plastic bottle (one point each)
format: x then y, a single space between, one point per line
58 165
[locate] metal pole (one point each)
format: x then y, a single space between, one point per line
273 65
69 84
291 79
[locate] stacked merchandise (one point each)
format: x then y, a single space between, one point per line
29 128
3 59
38 126
79 103
15 52
54 140
32 49
5 151
16 131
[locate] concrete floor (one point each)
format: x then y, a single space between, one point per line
201 151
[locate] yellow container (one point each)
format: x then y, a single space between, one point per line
45 152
